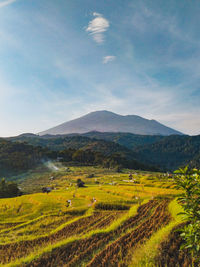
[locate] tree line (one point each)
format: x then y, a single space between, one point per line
16 158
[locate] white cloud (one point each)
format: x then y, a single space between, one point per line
6 3
97 27
107 59
95 14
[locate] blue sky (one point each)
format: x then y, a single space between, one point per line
65 58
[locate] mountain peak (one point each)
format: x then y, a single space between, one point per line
103 112
107 121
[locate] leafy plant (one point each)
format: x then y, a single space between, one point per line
188 180
9 189
80 183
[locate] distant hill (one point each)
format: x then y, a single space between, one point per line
129 140
166 152
171 152
58 142
83 150
76 142
106 121
18 157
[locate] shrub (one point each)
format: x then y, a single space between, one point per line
90 175
80 183
189 181
110 206
9 189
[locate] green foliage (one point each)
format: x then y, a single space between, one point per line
166 152
90 175
115 160
188 180
128 140
84 156
80 183
16 158
171 152
8 189
111 206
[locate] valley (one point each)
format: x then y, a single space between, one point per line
98 199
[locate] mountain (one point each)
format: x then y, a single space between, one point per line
106 121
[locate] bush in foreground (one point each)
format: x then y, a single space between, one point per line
189 181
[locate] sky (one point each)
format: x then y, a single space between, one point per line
62 59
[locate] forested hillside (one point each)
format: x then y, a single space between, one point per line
19 157
128 140
172 152
165 152
59 143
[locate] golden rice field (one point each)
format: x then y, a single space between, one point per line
112 221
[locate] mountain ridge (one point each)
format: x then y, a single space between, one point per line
107 121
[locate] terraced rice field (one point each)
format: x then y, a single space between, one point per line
83 225
168 256
114 245
106 232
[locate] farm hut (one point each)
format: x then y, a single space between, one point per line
69 202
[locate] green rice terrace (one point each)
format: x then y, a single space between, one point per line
92 216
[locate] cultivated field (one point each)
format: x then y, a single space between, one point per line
112 221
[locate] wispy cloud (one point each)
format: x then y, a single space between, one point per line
107 59
97 27
6 3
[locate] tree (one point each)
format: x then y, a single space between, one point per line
80 183
9 189
188 180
